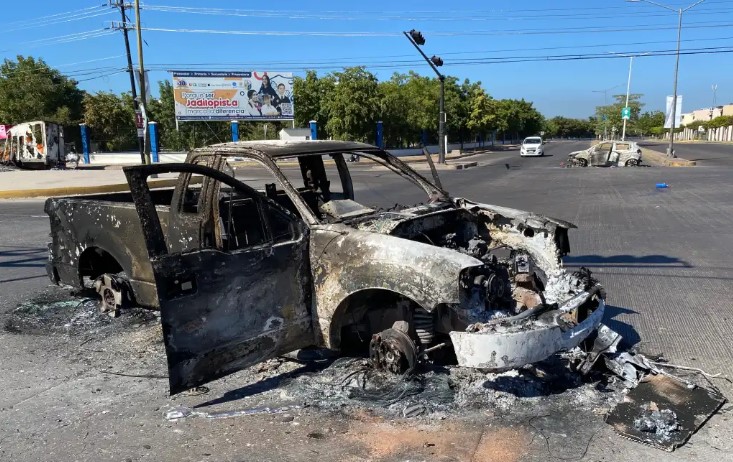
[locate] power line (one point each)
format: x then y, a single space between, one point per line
59 21
52 16
361 59
699 25
411 16
473 61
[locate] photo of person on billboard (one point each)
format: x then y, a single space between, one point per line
282 101
266 88
267 108
252 103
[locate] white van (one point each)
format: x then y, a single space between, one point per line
532 146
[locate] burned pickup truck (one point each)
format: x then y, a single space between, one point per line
314 259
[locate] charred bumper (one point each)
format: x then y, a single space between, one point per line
502 346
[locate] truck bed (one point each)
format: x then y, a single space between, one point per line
101 233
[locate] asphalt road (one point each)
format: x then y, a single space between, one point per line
706 154
663 255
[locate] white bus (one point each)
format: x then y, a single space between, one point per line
35 145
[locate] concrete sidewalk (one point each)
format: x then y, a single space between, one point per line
106 179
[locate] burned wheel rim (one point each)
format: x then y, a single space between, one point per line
632 163
581 162
393 351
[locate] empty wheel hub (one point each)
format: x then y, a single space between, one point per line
393 350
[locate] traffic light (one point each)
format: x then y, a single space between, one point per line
437 60
417 37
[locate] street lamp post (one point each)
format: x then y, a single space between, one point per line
679 11
605 103
628 89
416 38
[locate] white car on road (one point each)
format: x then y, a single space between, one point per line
532 146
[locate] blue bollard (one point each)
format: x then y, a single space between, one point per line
235 130
85 143
153 130
314 130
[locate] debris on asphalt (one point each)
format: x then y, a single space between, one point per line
663 411
182 412
661 422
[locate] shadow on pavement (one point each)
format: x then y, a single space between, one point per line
23 258
630 335
631 261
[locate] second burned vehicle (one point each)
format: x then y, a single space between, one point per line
314 258
607 154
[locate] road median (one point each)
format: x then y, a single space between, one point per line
651 156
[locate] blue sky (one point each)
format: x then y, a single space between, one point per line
475 40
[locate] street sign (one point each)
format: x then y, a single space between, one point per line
139 123
626 113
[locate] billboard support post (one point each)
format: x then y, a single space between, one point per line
153 130
235 130
85 142
314 130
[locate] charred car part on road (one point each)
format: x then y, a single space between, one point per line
607 154
242 275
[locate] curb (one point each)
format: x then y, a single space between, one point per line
660 159
77 190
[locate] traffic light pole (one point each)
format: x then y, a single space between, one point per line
441 123
441 116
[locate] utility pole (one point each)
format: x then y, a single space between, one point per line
136 105
141 64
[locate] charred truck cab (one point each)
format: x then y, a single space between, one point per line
242 275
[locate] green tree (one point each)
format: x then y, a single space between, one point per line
518 118
483 117
353 105
309 97
458 105
564 127
111 120
648 121
394 103
609 117
32 90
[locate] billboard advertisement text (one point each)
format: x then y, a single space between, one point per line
204 95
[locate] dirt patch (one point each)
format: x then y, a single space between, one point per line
462 441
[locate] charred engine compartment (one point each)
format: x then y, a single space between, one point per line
509 281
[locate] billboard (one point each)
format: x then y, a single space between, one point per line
677 112
217 95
